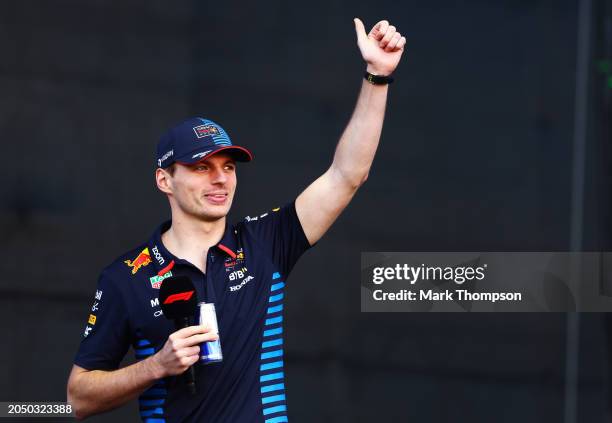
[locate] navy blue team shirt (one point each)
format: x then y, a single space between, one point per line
245 279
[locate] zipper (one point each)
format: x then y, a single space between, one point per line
209 289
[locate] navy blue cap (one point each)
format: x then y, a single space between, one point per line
195 139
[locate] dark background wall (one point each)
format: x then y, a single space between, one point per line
476 155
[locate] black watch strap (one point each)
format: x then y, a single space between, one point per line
377 79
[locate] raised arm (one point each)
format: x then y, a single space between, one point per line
323 201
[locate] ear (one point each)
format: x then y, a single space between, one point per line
164 181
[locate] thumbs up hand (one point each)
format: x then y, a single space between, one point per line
381 48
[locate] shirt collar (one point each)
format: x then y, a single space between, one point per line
229 241
164 260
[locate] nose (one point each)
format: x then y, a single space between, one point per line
218 176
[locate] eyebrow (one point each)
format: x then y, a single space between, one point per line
208 162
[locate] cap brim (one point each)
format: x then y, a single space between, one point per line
240 154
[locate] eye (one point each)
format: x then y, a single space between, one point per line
201 168
230 166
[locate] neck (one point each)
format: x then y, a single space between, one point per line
190 238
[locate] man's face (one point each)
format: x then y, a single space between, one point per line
205 190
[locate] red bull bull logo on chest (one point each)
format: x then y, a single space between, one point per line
143 259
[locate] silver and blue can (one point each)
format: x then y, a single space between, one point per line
210 352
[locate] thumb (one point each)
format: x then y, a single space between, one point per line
359 29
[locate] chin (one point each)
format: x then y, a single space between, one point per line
215 214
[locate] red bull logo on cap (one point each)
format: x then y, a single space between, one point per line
143 259
206 130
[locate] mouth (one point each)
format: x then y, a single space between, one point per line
216 197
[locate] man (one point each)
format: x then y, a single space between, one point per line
241 268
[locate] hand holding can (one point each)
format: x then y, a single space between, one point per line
180 351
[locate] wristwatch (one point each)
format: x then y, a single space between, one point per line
377 79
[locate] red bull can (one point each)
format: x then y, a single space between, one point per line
210 352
